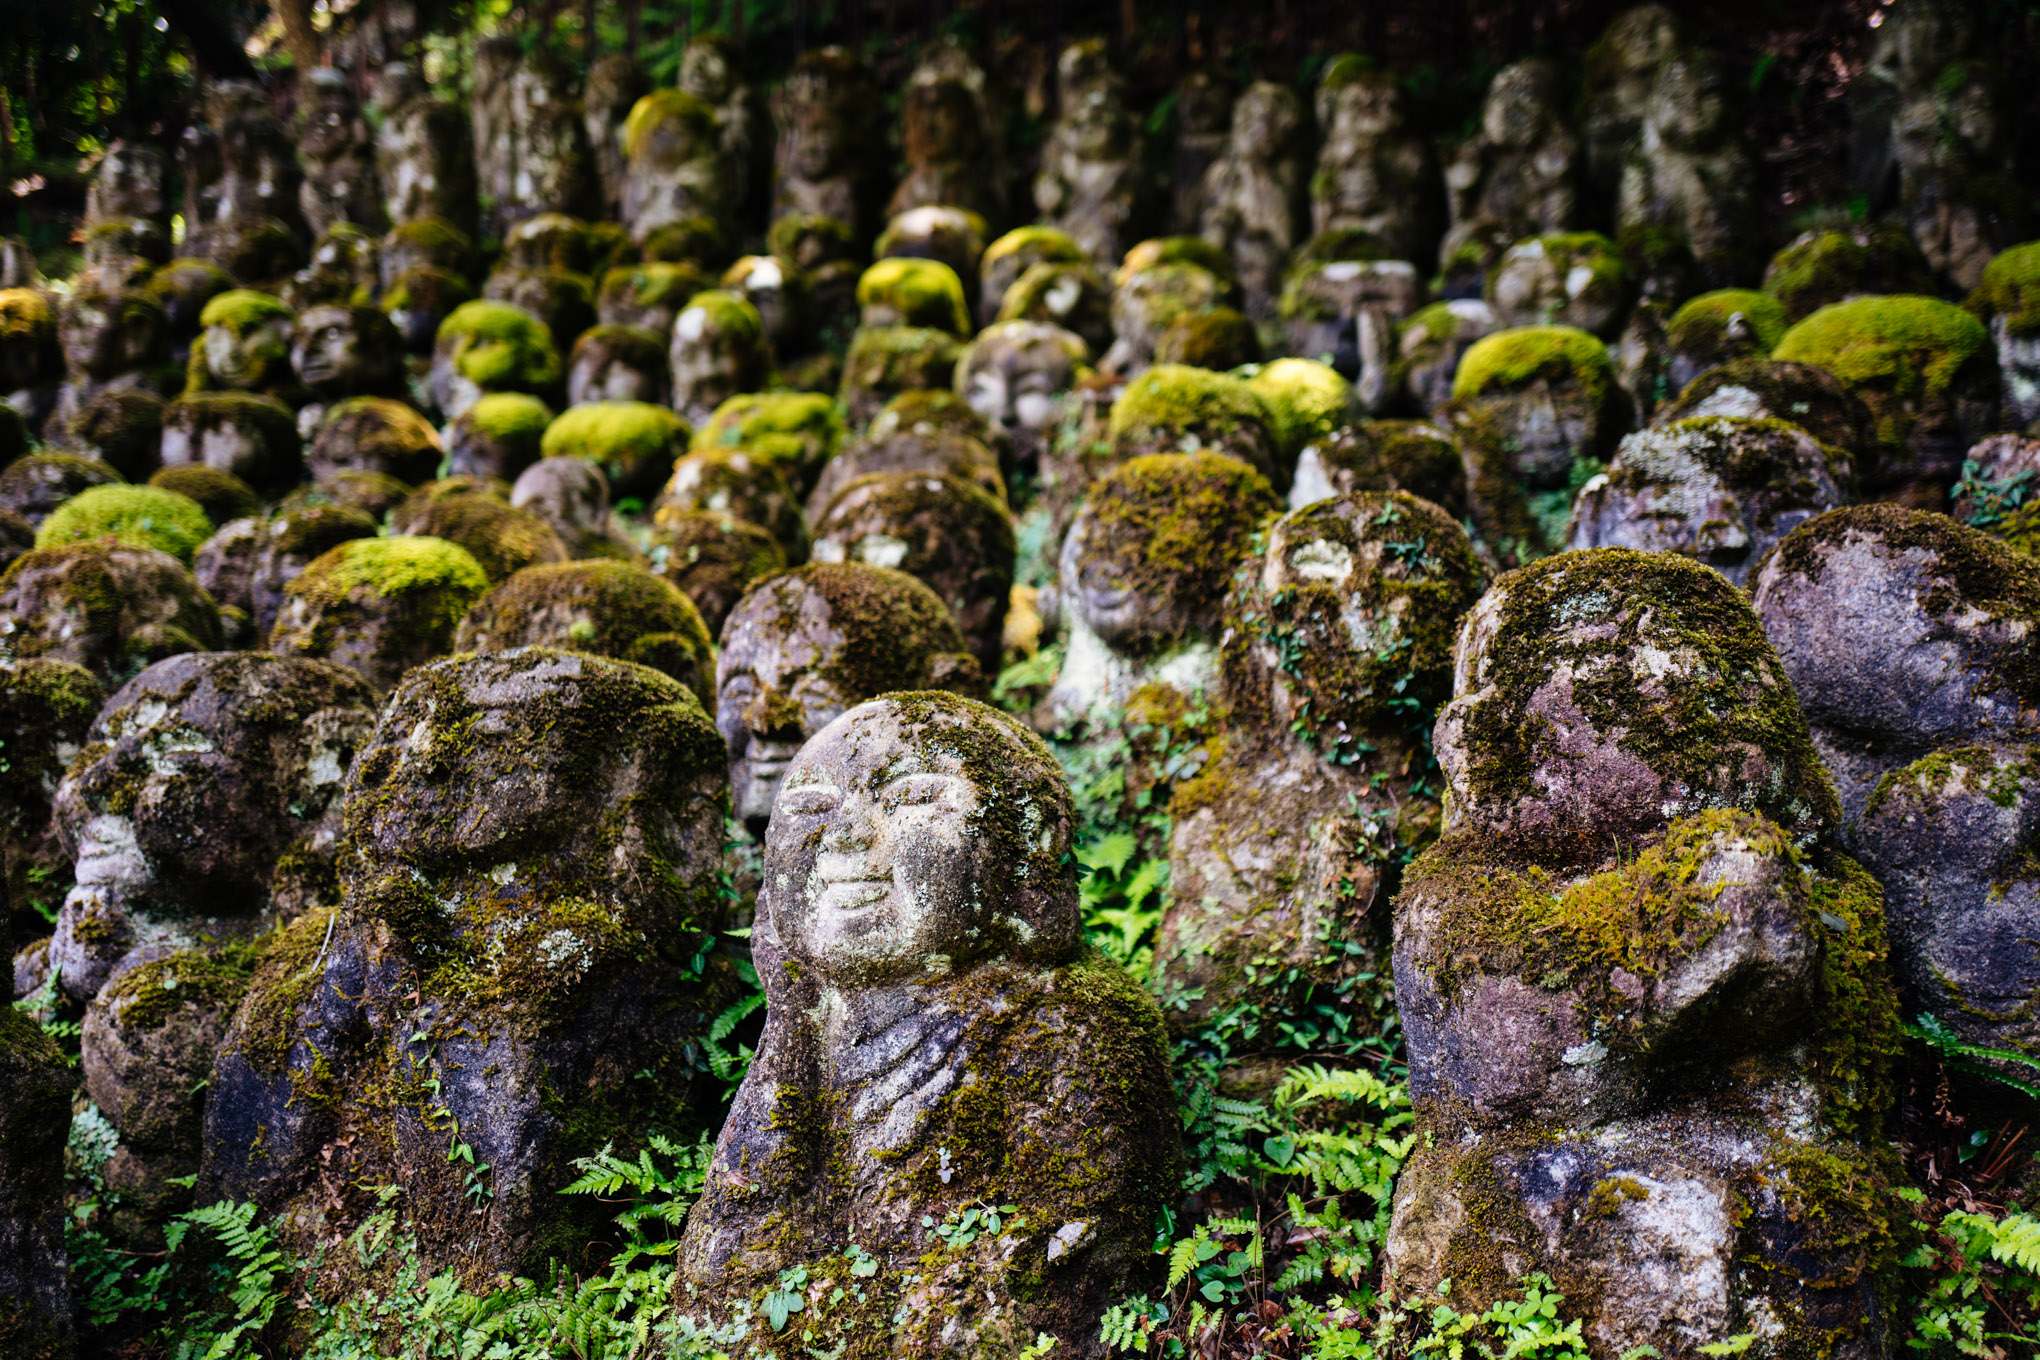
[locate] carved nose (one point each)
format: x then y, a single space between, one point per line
773 715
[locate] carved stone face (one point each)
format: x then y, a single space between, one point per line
705 72
1016 374
1519 105
106 334
905 842
334 352
1265 121
712 362
1688 105
940 123
570 494
247 359
604 373
776 687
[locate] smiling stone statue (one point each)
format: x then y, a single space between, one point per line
958 1112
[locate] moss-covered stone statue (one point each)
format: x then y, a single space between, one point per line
379 606
424 151
2007 299
376 435
1576 279
709 71
913 292
111 339
1152 293
1718 328
1143 575
1719 489
634 443
1256 194
1928 373
1342 304
1012 255
1416 456
502 540
339 352
196 779
533 839
531 146
499 436
734 482
953 537
105 606
1066 293
572 496
336 149
674 168
249 563
1820 267
1375 173
713 558
31 360
1650 1026
798 431
485 347
885 361
1517 176
618 363
933 1007
36 1083
46 706
718 350
1018 375
133 516
1690 172
1288 843
952 137
1092 184
1203 121
907 445
1769 389
603 608
829 154
1175 408
1908 638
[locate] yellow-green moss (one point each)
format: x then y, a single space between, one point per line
27 315
509 417
661 108
633 442
1209 337
139 516
434 240
1910 346
1510 359
1825 267
243 309
1037 243
1699 328
663 283
220 494
1178 400
1174 250
1306 400
495 345
730 314
2010 290
800 431
914 292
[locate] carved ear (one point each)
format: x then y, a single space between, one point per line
958 673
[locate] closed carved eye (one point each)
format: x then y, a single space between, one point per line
914 790
808 800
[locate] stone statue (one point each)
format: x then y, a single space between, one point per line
1517 176
337 149
424 152
952 138
531 143
929 989
1255 194
1636 886
1690 173
1091 184
826 162
1374 172
743 129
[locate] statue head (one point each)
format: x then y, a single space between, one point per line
803 646
347 351
107 332
917 836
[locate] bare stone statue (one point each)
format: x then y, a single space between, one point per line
1374 172
1517 176
1091 184
1255 194
937 1037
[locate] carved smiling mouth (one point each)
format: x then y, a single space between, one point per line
853 896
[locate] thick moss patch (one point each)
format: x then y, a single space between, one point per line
139 516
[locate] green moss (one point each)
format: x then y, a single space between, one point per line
426 288
432 240
691 241
144 997
383 430
1178 405
1176 525
497 346
243 309
509 418
402 566
1034 244
662 109
798 431
1163 250
1347 68
809 239
27 316
1700 328
1209 337
603 608
884 360
139 516
1306 401
660 284
913 292
633 442
501 540
1511 359
1825 267
1732 697
221 495
730 314
1907 344
2010 290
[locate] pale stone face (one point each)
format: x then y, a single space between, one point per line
874 872
773 689
1016 374
328 352
244 360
